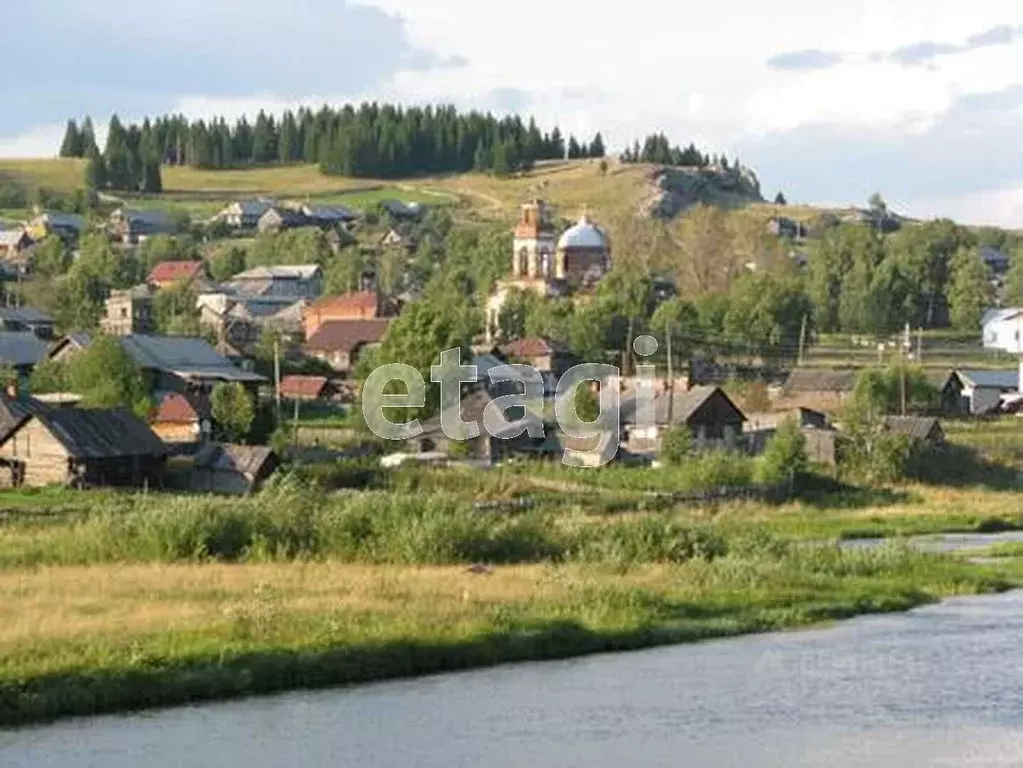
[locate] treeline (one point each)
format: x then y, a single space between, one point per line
656 148
372 140
130 162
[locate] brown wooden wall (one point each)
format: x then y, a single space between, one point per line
45 459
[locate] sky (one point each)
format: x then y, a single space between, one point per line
922 102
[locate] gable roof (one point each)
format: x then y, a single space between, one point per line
303 386
531 346
189 357
359 302
993 257
1000 315
14 412
813 380
281 272
328 213
97 434
61 220
21 348
13 238
175 271
25 316
990 379
916 427
248 460
347 335
142 218
684 407
174 409
253 208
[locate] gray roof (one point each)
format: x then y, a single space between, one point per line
14 412
994 257
254 208
59 219
153 219
187 356
21 348
917 427
683 406
248 460
328 212
101 434
813 380
24 315
990 379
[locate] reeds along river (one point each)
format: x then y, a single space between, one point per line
942 685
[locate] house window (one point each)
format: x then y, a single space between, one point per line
124 312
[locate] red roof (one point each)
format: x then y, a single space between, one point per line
175 272
303 387
531 346
347 335
362 303
175 409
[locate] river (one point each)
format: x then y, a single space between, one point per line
938 686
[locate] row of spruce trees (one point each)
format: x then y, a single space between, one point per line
130 161
372 140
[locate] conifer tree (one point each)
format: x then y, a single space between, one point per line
71 146
88 137
95 170
597 148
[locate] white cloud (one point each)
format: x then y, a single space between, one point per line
39 141
997 207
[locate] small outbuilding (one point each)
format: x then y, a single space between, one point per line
232 469
78 447
919 429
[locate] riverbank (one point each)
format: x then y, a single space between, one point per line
100 639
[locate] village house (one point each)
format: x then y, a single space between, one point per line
399 237
550 358
129 311
327 216
13 242
821 436
279 218
339 343
232 469
984 391
175 420
1003 330
67 226
27 319
919 429
707 412
132 227
244 214
170 273
239 320
80 448
22 351
306 389
820 389
399 210
363 305
997 261
184 364
304 281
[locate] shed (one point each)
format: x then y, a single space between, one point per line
983 390
339 342
232 469
918 428
176 419
81 448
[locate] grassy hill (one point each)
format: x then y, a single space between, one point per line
571 186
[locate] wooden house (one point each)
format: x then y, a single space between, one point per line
80 448
339 343
820 389
244 214
170 273
176 420
308 389
132 226
360 305
22 350
232 469
707 412
27 319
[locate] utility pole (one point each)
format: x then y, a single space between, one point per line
671 380
802 341
277 380
902 368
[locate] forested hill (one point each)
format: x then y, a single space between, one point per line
371 141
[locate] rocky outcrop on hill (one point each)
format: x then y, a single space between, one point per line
674 189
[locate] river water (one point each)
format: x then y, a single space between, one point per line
938 686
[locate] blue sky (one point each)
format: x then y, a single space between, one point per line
922 102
